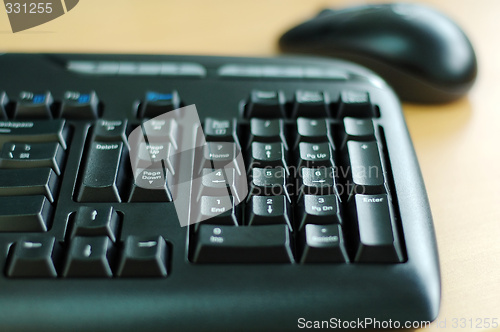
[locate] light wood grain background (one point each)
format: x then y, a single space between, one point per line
458 144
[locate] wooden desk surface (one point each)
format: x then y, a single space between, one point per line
457 144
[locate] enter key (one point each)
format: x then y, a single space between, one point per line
377 238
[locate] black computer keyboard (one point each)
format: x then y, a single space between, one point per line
336 225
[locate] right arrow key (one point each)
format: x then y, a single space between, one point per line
143 256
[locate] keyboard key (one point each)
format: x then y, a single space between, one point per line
25 214
110 131
323 244
366 169
218 179
80 106
269 210
220 130
268 182
29 181
320 210
311 104
315 155
218 210
150 185
89 257
357 130
355 104
313 131
218 154
101 178
317 181
34 106
157 103
267 155
160 132
257 244
216 182
267 130
90 221
33 132
266 104
378 239
4 102
32 155
149 154
143 256
33 257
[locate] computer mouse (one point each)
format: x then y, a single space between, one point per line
421 53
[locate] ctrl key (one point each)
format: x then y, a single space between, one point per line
252 244
33 257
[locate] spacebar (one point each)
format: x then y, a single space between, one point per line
251 244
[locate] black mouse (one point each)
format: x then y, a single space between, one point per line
423 54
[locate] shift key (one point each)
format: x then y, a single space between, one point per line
101 178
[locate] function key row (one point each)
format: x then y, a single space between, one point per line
41 105
273 104
261 104
78 105
311 104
